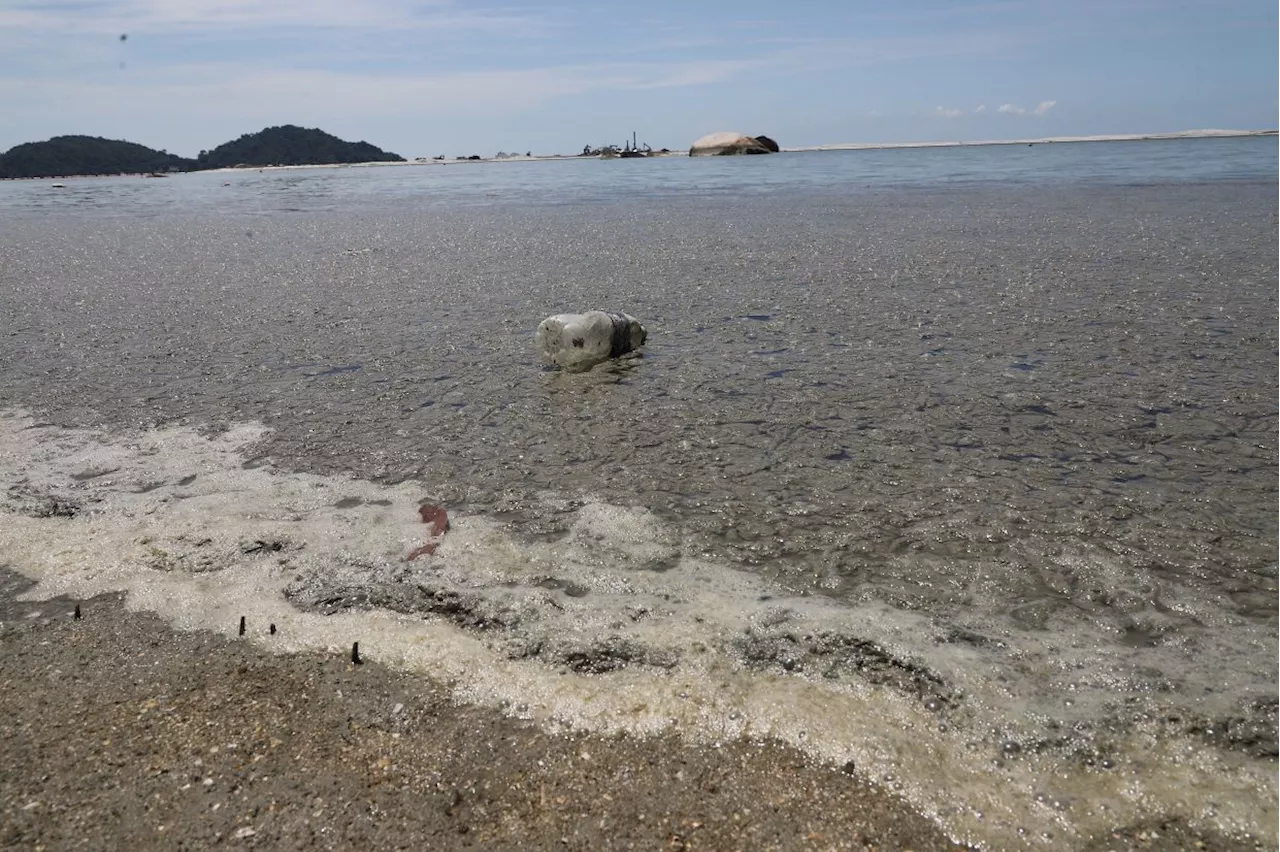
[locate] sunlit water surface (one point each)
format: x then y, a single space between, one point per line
975 445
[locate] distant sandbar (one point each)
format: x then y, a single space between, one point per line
1131 137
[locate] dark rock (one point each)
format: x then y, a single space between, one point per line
768 143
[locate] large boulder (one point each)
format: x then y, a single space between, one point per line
718 144
768 143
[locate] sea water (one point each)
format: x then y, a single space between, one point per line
958 465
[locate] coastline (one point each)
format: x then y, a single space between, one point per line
844 146
129 744
1044 140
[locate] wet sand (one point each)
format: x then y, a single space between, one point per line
119 732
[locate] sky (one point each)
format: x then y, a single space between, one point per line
427 77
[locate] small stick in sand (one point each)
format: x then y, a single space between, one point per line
242 625
355 653
77 613
272 630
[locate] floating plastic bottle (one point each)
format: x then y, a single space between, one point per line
577 342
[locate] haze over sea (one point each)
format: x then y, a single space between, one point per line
958 464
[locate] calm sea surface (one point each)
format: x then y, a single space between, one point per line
576 182
989 435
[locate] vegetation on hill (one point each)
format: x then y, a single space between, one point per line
289 145
86 155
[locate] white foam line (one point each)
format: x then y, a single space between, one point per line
139 528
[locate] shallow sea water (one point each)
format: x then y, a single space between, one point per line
959 468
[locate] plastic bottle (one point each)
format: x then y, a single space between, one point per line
577 342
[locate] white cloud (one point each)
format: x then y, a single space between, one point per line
949 112
980 110
1041 108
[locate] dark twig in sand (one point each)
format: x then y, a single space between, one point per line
242 625
76 616
355 653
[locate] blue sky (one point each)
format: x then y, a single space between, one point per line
453 77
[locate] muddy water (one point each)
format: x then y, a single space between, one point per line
975 484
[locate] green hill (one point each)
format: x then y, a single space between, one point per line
86 155
289 145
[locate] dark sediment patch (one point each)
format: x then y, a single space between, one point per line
404 590
592 656
33 503
835 655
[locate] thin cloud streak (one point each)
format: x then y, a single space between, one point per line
1041 108
284 92
157 17
855 50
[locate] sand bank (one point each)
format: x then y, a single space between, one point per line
1131 137
121 733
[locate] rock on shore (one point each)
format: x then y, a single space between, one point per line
719 144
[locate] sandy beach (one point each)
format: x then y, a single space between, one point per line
121 733
1042 140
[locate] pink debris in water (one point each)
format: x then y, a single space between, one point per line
439 521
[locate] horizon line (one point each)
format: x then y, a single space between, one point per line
1206 133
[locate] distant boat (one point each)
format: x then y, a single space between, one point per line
58 185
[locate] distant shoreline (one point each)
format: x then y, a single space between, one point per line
1048 140
850 146
847 146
